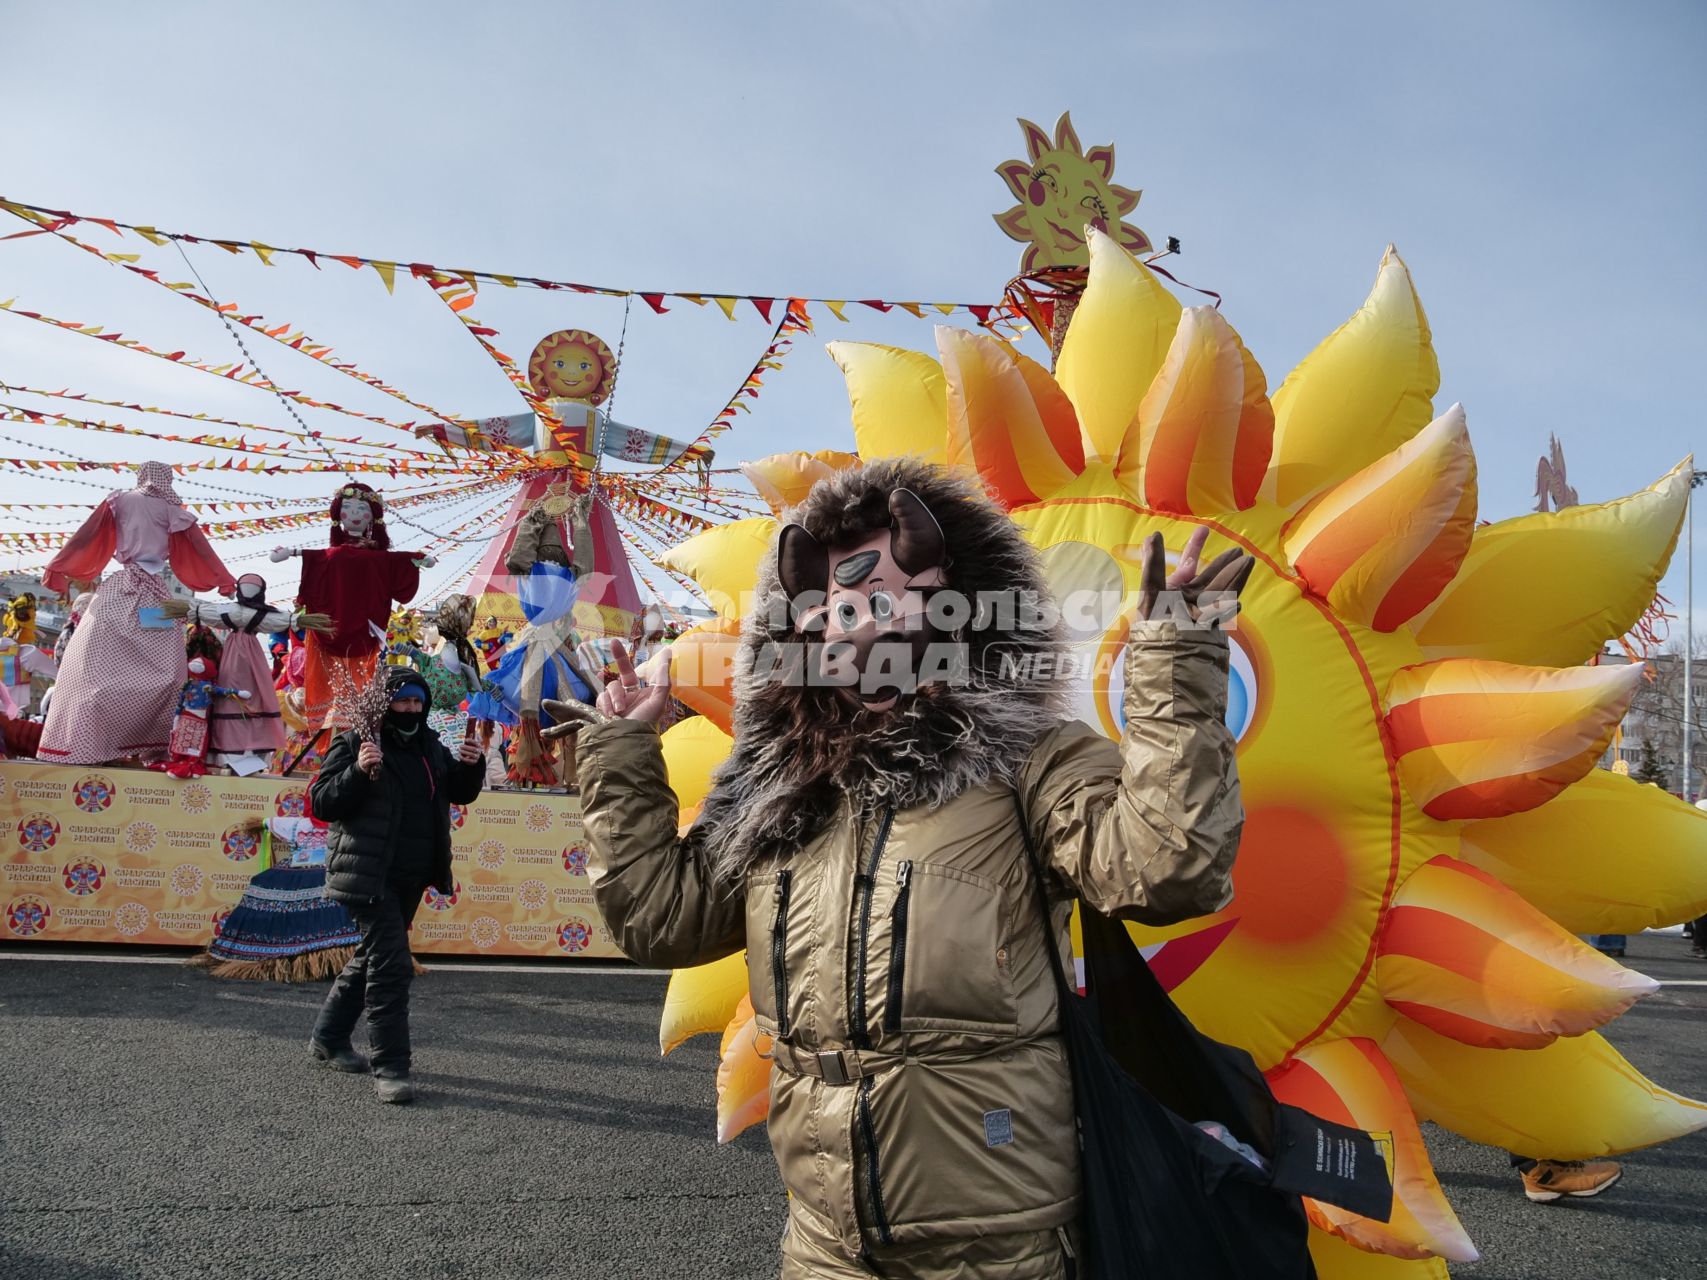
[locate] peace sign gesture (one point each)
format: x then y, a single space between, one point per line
1207 597
625 698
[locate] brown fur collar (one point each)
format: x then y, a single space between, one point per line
799 751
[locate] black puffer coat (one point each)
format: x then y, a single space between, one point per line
363 814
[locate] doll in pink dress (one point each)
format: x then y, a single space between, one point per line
118 687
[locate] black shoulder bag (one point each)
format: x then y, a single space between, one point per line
1163 1200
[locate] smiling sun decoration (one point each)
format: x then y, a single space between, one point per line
1418 727
1061 189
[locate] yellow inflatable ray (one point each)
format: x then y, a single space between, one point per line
1553 588
724 561
1337 1260
783 479
1361 961
1608 855
1117 341
702 670
899 400
1364 391
1593 1103
702 1000
692 749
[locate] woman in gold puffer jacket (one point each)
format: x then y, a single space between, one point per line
863 844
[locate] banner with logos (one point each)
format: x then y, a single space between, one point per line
104 855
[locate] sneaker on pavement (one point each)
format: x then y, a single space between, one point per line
394 1089
1551 1179
344 1059
1697 953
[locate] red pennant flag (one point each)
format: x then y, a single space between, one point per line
981 314
764 305
655 301
877 304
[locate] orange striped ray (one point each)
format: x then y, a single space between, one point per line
702 670
1512 1100
1508 603
784 479
1380 546
1478 739
743 1075
1350 1082
1469 959
1608 855
1023 447
1366 389
1200 442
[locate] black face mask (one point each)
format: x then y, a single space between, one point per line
405 724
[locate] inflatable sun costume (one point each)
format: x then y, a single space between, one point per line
1417 726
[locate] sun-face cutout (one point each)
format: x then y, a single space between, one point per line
1062 189
572 364
1415 723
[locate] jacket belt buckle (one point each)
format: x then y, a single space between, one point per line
832 1068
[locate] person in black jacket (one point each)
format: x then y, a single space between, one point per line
387 806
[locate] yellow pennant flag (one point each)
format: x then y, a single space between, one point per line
947 308
264 252
388 273
509 282
836 306
728 305
150 234
912 308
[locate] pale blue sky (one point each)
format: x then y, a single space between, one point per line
1539 165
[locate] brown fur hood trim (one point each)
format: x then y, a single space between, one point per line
800 750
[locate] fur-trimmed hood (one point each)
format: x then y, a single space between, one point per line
800 749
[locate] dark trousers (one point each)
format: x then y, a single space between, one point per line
377 978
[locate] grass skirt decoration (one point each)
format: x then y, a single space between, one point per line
285 929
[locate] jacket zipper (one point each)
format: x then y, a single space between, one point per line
873 1174
779 953
860 1032
898 945
867 881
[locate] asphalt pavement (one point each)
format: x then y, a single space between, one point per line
155 1122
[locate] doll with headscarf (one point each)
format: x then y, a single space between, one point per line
118 689
355 582
246 726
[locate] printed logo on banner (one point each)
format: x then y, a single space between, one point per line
130 919
436 901
458 816
292 803
187 879
140 837
27 916
93 793
574 934
489 854
538 818
38 832
485 932
219 919
532 895
84 876
240 843
196 799
575 860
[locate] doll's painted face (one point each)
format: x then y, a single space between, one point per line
574 371
355 518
